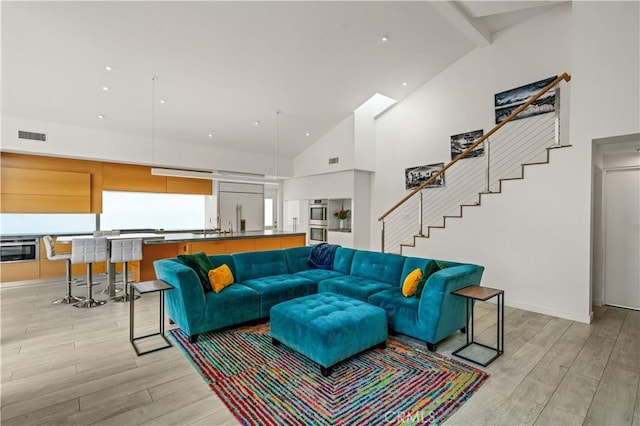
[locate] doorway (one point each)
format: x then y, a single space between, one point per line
616 222
270 208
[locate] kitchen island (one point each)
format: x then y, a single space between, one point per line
156 245
172 244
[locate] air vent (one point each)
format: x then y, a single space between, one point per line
334 160
32 136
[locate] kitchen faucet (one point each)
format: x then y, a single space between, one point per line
231 227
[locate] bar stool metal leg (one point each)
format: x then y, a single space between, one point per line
126 295
68 299
89 302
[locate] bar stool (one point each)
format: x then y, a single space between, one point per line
125 251
51 255
107 233
89 250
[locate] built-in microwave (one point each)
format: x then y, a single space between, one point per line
318 212
317 234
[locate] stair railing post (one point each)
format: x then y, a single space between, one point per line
487 154
382 238
557 117
420 211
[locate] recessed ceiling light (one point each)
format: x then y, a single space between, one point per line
404 83
307 134
385 38
211 135
256 123
105 89
162 101
100 116
107 68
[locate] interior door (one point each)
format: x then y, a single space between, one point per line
622 238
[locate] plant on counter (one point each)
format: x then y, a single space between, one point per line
342 214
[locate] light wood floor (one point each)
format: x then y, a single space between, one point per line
63 365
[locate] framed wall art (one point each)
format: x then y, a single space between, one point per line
463 141
416 176
508 101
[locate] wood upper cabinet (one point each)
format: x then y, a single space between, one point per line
127 177
44 191
35 165
178 185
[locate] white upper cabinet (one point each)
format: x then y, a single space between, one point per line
336 185
340 184
318 187
296 189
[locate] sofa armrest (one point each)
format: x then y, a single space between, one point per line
186 302
441 311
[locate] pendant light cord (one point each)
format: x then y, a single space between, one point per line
277 140
153 119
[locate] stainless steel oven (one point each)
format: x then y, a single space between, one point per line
19 249
317 234
318 212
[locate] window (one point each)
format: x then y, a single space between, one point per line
144 210
23 223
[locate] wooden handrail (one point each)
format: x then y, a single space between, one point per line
566 77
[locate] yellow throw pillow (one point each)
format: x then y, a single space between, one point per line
220 277
411 282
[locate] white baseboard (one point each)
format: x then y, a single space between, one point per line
597 302
573 316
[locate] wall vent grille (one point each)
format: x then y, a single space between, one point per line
32 136
334 160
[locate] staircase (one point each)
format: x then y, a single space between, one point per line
513 145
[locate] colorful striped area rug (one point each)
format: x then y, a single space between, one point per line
264 384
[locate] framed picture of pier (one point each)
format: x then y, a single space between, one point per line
463 141
508 101
416 176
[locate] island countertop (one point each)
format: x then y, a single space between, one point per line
188 237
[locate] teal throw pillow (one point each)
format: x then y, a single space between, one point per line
200 263
430 268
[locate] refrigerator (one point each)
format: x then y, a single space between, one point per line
241 205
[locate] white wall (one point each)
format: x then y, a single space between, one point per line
338 142
91 144
604 98
527 237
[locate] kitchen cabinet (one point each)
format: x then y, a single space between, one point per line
296 189
340 184
318 187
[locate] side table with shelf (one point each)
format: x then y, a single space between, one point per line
144 288
471 294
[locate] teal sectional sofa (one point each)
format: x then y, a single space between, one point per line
266 278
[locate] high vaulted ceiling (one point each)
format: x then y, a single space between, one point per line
222 66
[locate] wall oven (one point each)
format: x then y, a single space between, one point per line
317 234
318 212
19 249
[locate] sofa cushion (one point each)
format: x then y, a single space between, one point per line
356 287
278 288
402 312
377 266
200 263
297 259
317 275
411 282
342 260
233 305
220 278
431 268
218 260
258 264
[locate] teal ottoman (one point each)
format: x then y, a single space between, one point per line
328 328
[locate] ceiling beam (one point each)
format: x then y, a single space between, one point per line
462 22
